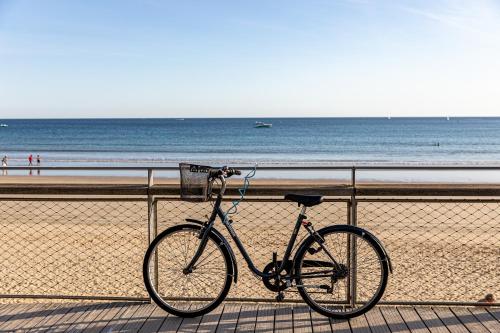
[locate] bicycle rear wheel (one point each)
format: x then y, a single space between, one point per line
187 294
349 289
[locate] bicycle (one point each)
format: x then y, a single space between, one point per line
340 271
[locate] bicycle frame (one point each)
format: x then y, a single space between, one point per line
218 212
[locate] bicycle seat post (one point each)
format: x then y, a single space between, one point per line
303 210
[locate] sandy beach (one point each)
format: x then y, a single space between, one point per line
440 251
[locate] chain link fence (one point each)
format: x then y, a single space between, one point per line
442 250
70 248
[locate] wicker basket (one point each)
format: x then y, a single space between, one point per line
194 182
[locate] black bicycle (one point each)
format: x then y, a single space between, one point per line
341 271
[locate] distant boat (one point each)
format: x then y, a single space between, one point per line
260 124
179 119
4 125
447 118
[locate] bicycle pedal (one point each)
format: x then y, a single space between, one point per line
313 251
280 297
327 288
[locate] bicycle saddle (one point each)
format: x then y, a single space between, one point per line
306 200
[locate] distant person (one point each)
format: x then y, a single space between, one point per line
38 164
30 160
488 298
4 165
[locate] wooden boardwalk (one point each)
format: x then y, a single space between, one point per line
242 317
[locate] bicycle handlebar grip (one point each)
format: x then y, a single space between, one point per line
228 171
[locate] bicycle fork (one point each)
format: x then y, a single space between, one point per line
203 236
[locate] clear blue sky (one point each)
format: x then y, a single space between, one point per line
157 58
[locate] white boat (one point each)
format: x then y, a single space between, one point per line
4 125
260 124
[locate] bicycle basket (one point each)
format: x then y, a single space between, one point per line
194 182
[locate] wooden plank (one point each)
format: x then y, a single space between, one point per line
450 320
155 320
139 317
283 319
469 320
394 320
486 319
322 324
210 321
88 315
359 324
76 316
431 320
495 312
121 318
38 317
413 320
189 325
106 316
113 317
54 317
229 318
248 318
76 312
302 319
173 323
18 317
265 318
8 312
3 307
376 321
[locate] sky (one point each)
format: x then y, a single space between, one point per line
270 58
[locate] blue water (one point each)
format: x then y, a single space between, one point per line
299 141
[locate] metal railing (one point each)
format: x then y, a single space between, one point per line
87 241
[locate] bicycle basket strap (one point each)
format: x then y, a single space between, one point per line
194 182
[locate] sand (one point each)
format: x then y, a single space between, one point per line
440 251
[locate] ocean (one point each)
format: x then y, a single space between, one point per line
235 141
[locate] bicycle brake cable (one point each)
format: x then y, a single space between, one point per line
246 183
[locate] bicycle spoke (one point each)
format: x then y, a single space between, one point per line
366 275
200 288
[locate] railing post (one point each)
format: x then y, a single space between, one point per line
152 222
352 240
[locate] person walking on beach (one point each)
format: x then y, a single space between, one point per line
38 164
30 160
4 165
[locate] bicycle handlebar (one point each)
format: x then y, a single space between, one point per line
225 171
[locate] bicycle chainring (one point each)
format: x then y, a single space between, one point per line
271 283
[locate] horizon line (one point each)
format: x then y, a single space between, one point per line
252 117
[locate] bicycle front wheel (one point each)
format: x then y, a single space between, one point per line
351 284
180 293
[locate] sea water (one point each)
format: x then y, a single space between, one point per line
235 141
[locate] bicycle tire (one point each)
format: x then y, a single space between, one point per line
172 304
346 308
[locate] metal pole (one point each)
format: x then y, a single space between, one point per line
155 233
352 240
152 214
348 284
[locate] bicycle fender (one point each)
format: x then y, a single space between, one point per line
226 244
359 231
386 255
